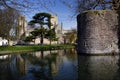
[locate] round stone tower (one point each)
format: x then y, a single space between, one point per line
97 32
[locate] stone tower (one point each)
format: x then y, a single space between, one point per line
21 27
54 21
97 32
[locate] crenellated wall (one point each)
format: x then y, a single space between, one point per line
97 32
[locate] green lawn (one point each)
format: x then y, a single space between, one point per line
12 49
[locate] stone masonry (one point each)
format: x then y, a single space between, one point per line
97 32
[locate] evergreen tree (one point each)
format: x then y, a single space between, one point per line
41 19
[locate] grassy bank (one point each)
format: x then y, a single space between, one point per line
14 49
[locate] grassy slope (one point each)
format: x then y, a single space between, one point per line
12 49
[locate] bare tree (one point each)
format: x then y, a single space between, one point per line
8 19
83 5
11 9
26 5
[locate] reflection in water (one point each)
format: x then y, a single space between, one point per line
98 67
47 65
9 66
58 65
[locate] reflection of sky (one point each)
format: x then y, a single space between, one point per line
64 14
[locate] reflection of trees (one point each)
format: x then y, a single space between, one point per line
71 54
41 65
12 67
5 72
44 66
52 63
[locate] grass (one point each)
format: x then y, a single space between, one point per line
12 49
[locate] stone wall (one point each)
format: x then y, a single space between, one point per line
97 32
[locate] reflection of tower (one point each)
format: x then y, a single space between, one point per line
54 67
21 27
83 68
97 67
117 75
21 65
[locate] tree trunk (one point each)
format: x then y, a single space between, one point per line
41 39
50 41
8 42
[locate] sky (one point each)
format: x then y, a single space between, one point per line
64 14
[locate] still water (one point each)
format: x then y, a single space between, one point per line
58 65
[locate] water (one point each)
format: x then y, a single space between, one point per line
58 65
98 68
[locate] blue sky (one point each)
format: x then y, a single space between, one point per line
64 14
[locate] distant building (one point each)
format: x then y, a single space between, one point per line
54 21
55 25
24 30
3 42
3 57
66 31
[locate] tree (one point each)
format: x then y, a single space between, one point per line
34 34
51 35
25 5
29 38
39 32
8 17
8 21
72 36
84 5
41 19
97 4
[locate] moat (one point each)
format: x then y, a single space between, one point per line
58 65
